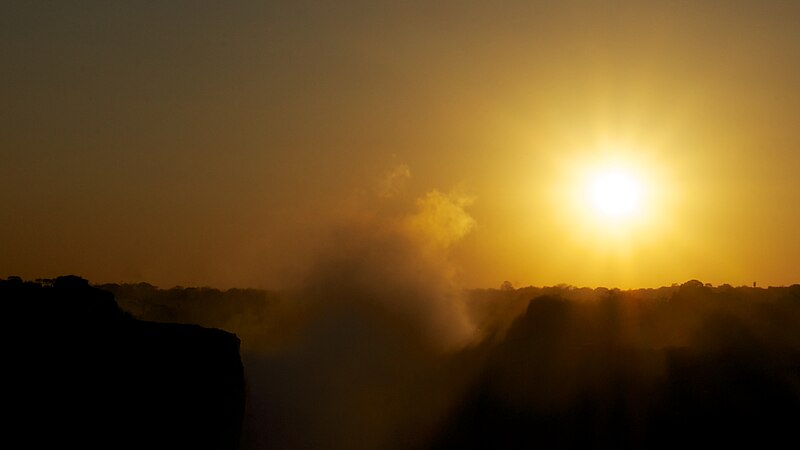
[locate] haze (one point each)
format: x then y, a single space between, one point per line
199 143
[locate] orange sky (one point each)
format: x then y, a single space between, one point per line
199 143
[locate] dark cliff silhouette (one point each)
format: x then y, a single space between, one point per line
81 373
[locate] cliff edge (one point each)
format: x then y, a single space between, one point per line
81 371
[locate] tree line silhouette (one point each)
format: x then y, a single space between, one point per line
559 367
554 367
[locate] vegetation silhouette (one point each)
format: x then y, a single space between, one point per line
704 366
80 372
557 367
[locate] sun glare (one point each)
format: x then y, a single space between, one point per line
613 200
615 193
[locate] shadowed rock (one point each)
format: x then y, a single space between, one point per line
81 373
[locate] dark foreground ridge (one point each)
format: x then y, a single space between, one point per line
348 368
81 373
683 366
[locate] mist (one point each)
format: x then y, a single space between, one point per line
376 344
359 350
373 342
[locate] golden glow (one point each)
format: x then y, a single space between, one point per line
701 114
608 210
611 199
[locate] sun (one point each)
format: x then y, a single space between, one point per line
615 200
615 193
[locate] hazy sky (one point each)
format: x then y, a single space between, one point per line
218 143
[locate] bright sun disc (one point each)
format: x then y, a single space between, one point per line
615 193
612 203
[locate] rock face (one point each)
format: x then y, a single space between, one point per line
81 373
566 377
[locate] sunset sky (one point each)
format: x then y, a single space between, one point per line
224 143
